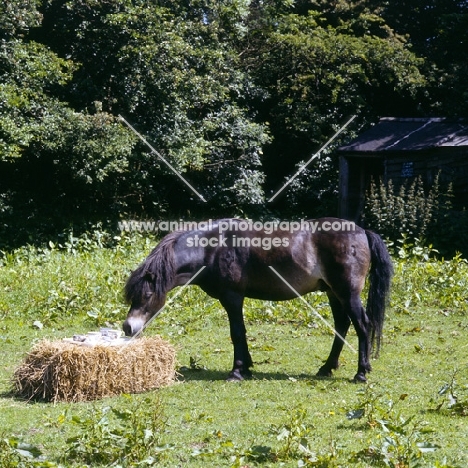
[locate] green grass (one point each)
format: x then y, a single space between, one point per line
284 415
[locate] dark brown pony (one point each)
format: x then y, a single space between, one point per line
239 261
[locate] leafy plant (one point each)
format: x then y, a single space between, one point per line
292 435
403 442
94 238
16 454
370 406
295 445
130 436
400 441
216 444
421 279
410 211
454 397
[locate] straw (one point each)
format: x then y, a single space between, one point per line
64 371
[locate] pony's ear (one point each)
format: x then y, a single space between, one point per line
149 276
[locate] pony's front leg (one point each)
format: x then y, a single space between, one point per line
233 303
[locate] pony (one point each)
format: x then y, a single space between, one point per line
231 259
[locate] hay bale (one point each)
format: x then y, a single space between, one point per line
65 371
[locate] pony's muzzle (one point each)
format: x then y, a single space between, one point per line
133 325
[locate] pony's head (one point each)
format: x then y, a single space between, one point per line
147 286
144 301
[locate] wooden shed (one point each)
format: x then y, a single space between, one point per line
401 149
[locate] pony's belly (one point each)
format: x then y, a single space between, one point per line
285 289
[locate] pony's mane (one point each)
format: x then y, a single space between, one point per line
159 265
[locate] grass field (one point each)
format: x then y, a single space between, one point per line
412 412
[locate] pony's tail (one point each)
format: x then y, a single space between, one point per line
380 275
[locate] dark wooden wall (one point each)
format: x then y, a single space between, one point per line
451 163
357 170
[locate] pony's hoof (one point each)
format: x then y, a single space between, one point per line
324 372
359 378
235 376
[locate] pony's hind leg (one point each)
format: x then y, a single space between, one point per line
361 324
342 322
233 303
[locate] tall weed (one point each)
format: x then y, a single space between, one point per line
421 279
417 213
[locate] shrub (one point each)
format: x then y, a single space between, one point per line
418 214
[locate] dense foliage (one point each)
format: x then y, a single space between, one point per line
234 94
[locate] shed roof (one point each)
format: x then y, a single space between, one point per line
401 134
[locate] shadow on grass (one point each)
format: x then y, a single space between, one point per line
204 375
213 375
10 394
13 396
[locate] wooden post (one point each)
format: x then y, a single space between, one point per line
343 189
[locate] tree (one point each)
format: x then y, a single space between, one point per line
436 30
316 69
173 72
50 155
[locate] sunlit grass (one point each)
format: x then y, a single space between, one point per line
209 422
